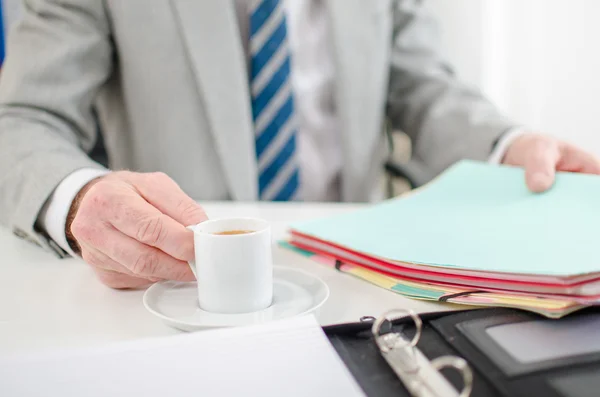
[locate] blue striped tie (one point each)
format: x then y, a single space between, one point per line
272 102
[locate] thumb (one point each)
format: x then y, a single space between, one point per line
540 166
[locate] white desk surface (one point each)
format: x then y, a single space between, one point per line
46 303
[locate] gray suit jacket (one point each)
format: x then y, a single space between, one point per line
165 81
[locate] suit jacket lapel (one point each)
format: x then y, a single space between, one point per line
211 33
361 33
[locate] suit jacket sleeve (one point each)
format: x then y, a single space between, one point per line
58 58
445 119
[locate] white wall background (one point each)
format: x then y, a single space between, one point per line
539 60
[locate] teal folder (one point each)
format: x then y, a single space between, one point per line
480 217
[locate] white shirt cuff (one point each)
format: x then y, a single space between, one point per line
53 216
504 143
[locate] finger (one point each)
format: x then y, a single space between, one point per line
540 165
138 219
109 272
146 261
149 262
99 259
141 260
163 193
119 280
577 160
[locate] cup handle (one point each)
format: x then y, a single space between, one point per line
192 263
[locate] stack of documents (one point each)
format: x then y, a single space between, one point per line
476 229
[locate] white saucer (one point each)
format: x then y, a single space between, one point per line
294 293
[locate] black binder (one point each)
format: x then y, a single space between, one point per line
564 361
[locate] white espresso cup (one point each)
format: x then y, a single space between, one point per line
233 265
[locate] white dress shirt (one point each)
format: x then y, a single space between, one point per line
319 148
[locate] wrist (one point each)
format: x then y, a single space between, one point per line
71 240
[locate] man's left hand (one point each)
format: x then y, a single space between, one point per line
542 156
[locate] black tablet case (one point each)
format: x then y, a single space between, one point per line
457 333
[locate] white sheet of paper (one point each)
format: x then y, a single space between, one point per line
285 358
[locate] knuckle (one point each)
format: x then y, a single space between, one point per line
96 199
159 177
543 145
121 175
145 264
151 231
543 151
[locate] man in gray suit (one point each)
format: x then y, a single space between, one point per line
238 99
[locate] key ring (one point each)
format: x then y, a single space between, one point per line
461 366
391 341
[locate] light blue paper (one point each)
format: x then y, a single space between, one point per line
480 216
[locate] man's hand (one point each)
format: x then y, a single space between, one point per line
542 156
131 228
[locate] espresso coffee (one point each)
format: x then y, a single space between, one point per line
231 232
